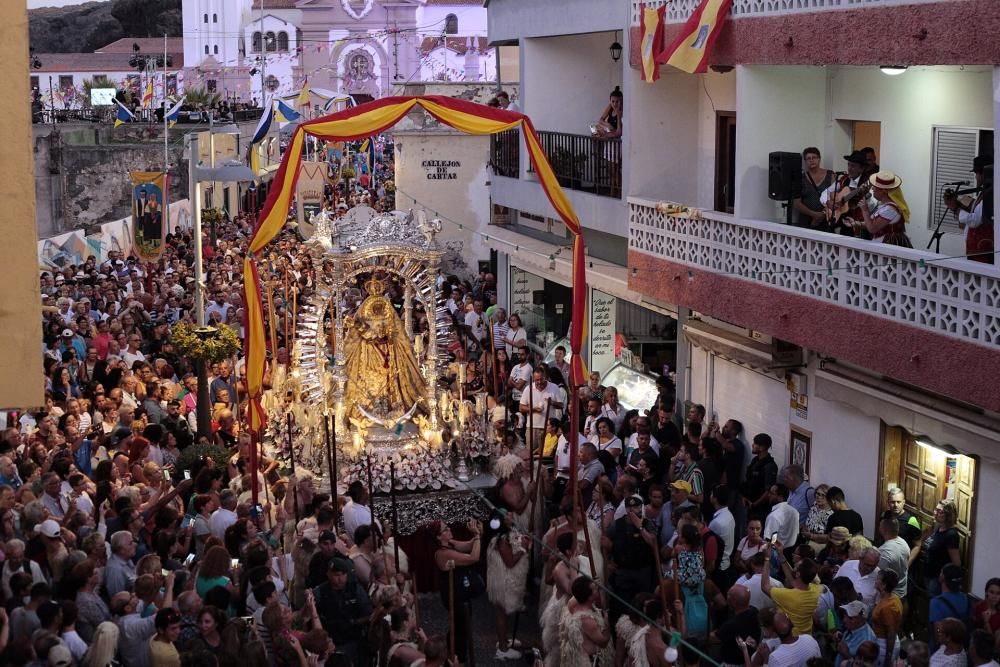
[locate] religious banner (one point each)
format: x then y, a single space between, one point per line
149 193
309 195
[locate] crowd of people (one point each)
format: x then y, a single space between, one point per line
129 533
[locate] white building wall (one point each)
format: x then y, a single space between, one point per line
777 109
661 135
567 81
517 19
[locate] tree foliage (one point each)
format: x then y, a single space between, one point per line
84 28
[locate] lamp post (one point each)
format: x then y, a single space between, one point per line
229 172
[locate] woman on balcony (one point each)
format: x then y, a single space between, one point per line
610 123
888 223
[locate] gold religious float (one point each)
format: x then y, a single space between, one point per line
377 290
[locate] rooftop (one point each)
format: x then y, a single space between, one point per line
97 63
146 45
457 44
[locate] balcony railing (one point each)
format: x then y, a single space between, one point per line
679 11
585 163
505 153
899 284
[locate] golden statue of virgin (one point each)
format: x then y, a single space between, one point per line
384 383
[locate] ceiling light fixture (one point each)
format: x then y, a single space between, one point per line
893 70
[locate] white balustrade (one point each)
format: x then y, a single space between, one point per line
679 11
949 296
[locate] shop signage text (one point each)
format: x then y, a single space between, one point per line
603 318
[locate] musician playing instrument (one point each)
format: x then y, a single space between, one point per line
887 223
847 196
978 236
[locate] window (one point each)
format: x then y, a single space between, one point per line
206 49
215 18
951 161
451 25
205 18
211 85
255 42
215 49
270 43
282 41
65 82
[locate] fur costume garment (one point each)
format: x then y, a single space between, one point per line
571 644
505 586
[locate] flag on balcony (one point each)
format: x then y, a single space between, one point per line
123 115
689 51
652 41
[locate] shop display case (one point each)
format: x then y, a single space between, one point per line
636 390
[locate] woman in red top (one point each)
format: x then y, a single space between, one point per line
987 612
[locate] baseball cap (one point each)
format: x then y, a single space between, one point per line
856 608
60 278
340 565
67 333
633 500
49 528
60 656
681 485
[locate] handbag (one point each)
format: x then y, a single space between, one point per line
696 611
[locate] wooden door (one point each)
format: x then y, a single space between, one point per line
925 475
725 161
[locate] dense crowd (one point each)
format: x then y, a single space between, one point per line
130 535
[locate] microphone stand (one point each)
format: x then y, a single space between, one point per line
938 232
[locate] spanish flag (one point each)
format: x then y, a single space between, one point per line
652 41
303 100
689 51
147 97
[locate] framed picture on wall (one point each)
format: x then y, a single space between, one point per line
801 446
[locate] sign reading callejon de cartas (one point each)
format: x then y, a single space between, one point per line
441 170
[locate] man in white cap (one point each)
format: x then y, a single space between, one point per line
856 630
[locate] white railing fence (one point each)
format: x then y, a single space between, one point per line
899 284
678 11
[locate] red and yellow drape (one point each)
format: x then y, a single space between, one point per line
364 121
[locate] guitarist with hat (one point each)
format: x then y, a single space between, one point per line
843 200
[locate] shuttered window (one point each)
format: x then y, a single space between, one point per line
954 149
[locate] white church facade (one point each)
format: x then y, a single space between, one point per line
249 50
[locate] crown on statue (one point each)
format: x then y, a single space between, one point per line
375 287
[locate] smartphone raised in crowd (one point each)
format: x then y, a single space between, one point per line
774 539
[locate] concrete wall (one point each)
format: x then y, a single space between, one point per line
81 171
511 20
566 81
463 200
777 109
661 136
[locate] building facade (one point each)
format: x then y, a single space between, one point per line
254 49
871 365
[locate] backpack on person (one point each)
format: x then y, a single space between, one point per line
965 618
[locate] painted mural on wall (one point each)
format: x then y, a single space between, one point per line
74 247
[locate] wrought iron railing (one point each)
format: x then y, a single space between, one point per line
585 163
505 153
